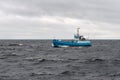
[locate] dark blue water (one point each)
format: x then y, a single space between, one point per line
37 60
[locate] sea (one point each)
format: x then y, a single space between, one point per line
38 60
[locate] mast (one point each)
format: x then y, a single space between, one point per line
77 35
78 31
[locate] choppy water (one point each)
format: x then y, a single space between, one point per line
37 60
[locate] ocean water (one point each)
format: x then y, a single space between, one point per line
38 60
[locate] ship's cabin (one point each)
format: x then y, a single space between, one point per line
79 37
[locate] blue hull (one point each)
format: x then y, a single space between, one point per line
58 43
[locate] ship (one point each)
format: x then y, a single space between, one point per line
78 41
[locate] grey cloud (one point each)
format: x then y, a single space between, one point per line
100 10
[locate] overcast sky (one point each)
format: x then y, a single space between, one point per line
48 19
